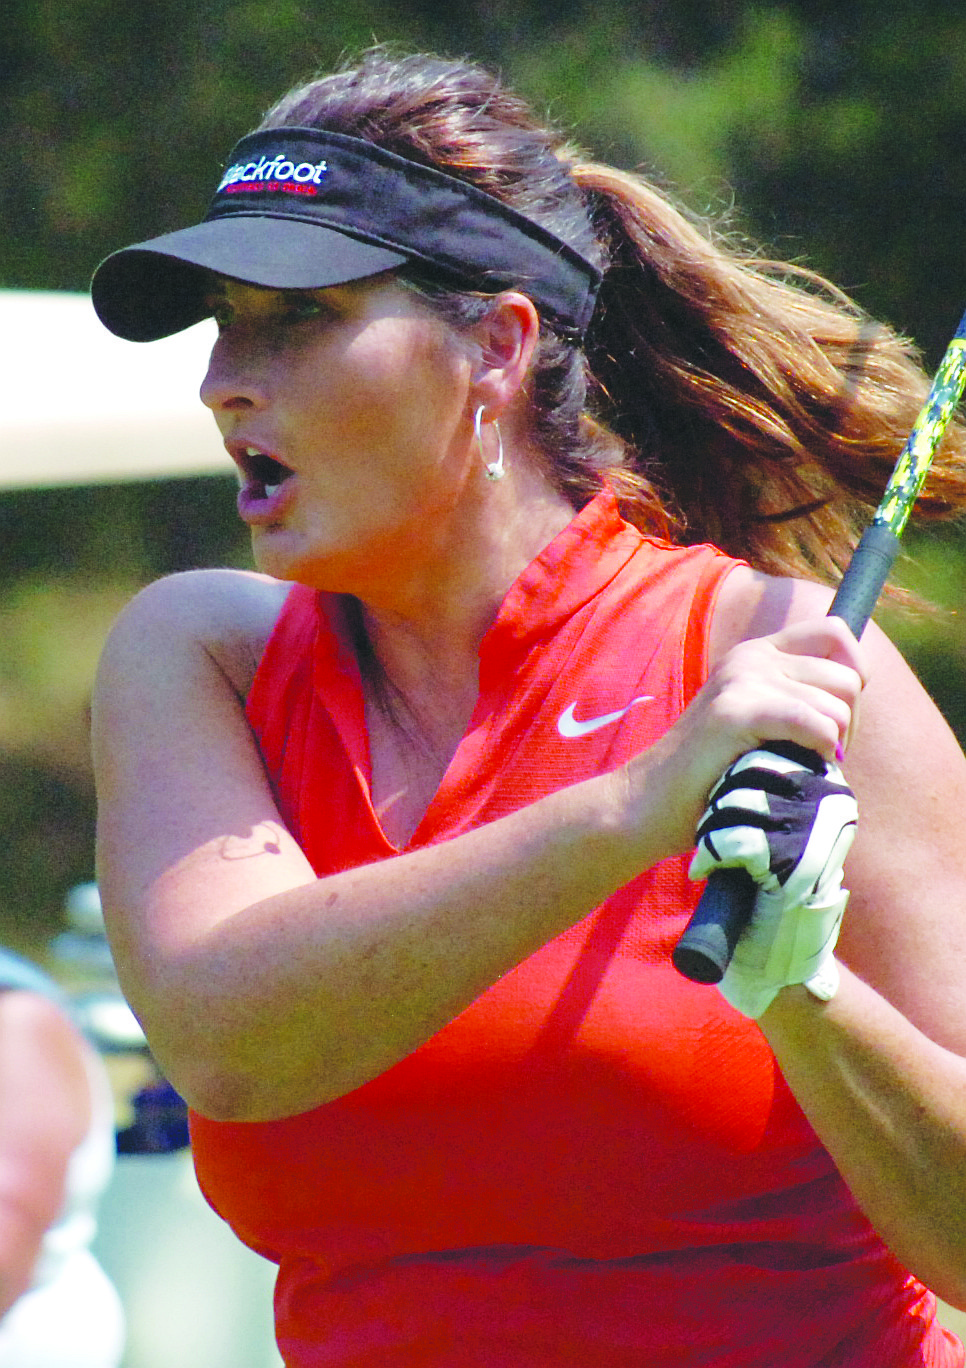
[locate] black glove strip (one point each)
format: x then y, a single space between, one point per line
788 821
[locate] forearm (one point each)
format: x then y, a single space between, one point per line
306 994
890 1106
266 991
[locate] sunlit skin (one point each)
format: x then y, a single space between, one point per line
354 390
367 398
267 990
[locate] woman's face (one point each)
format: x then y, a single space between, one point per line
346 411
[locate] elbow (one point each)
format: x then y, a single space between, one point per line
237 1067
212 1083
221 1088
943 1271
233 1097
950 1286
209 1064
204 1075
218 1095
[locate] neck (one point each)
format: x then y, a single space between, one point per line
425 635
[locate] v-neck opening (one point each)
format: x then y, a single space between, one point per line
338 673
569 571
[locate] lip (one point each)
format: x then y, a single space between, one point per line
256 506
259 510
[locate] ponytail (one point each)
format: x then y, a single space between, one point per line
724 398
759 401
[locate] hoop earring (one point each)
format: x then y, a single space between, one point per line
495 470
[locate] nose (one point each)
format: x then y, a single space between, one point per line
233 380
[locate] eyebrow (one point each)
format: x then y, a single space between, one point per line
216 288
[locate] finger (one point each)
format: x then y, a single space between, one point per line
756 711
827 638
829 676
757 669
842 676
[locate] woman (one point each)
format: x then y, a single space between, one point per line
57 1307
395 834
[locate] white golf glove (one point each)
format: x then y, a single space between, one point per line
789 819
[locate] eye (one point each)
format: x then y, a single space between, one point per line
300 306
266 308
221 311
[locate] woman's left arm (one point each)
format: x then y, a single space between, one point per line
880 1071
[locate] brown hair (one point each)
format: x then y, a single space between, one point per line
725 397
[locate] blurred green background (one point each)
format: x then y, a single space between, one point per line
832 132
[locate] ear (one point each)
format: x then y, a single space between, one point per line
507 338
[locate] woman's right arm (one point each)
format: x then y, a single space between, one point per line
264 990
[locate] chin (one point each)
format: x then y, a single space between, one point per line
274 554
283 556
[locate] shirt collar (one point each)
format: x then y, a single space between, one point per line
590 551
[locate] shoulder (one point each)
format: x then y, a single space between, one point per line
227 615
752 604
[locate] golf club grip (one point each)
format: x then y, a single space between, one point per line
864 577
704 951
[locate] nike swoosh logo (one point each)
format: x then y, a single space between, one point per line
569 726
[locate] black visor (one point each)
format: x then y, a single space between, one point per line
300 208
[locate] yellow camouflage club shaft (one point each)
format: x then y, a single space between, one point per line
873 558
704 951
913 464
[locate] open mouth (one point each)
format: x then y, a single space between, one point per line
263 474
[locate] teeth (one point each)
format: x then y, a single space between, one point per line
271 488
252 451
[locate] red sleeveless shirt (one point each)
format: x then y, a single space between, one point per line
597 1163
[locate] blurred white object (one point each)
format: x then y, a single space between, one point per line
84 946
101 1010
195 1297
82 406
109 1022
82 907
71 1315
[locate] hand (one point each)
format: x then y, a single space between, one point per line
788 818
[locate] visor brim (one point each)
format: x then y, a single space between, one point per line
156 288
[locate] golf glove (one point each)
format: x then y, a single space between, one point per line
788 818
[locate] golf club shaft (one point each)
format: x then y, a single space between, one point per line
704 951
